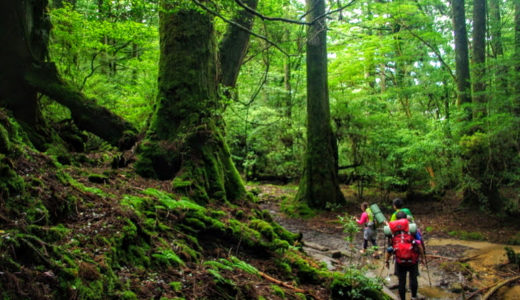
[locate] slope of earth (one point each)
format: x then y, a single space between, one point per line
85 230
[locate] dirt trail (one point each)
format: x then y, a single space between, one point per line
324 240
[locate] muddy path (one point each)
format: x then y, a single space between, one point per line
456 268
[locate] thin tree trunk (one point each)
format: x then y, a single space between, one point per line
516 66
479 58
319 184
233 47
501 69
461 58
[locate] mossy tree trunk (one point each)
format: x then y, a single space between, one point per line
319 184
24 31
185 138
233 47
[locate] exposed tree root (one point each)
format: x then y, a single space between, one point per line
286 285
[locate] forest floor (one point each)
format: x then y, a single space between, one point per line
456 264
443 228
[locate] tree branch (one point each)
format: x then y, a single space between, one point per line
435 50
209 10
263 17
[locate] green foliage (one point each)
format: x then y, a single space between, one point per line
465 235
109 54
515 240
278 291
354 285
350 227
167 257
512 257
293 208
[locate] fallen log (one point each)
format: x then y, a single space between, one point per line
499 285
440 257
492 288
85 112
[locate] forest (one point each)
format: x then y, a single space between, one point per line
221 149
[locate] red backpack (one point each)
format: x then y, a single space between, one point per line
403 242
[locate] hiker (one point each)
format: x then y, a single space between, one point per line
369 230
407 252
398 206
397 203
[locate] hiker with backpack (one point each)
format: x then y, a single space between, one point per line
369 231
407 251
397 203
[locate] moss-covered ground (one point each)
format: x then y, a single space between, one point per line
81 229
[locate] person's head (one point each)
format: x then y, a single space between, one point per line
401 215
364 206
398 203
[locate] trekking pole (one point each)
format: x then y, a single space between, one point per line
427 269
382 268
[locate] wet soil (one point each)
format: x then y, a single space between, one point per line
456 268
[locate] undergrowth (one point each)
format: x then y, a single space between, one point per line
67 237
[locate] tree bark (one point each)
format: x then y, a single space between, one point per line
24 31
87 115
516 97
233 47
461 57
501 70
479 58
319 184
185 139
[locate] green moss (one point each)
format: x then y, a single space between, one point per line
157 160
176 286
129 295
167 257
179 183
187 252
5 143
294 208
278 291
50 234
263 227
98 178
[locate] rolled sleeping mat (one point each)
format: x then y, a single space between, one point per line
378 215
387 231
412 228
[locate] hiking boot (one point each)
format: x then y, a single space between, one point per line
362 251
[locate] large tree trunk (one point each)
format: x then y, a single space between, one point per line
319 184
24 31
185 139
461 57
